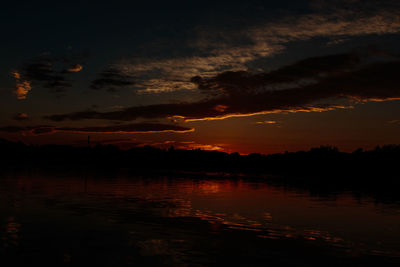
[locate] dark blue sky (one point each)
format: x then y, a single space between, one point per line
251 76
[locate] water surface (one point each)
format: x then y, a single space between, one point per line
84 219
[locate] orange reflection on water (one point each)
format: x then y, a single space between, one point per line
209 187
11 236
321 235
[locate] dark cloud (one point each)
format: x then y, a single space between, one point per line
21 117
330 79
128 128
46 71
40 129
12 129
111 79
243 82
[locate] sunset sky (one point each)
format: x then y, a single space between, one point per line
246 76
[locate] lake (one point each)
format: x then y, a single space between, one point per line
124 219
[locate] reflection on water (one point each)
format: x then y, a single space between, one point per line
131 220
10 237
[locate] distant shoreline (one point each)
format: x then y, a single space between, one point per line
324 160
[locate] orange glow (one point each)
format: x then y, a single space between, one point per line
294 110
22 89
201 146
380 99
209 187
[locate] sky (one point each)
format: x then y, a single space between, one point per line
236 76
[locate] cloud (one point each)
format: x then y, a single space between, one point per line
21 117
45 71
237 48
183 145
12 129
300 73
111 79
192 145
127 128
316 84
341 23
16 75
41 130
172 74
22 89
74 68
39 72
266 122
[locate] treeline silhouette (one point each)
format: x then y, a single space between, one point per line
324 167
324 160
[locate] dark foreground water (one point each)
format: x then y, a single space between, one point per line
164 220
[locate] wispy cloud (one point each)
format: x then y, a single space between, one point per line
112 79
127 128
343 23
168 75
238 48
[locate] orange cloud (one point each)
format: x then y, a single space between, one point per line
16 75
22 89
202 147
365 100
75 68
266 122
